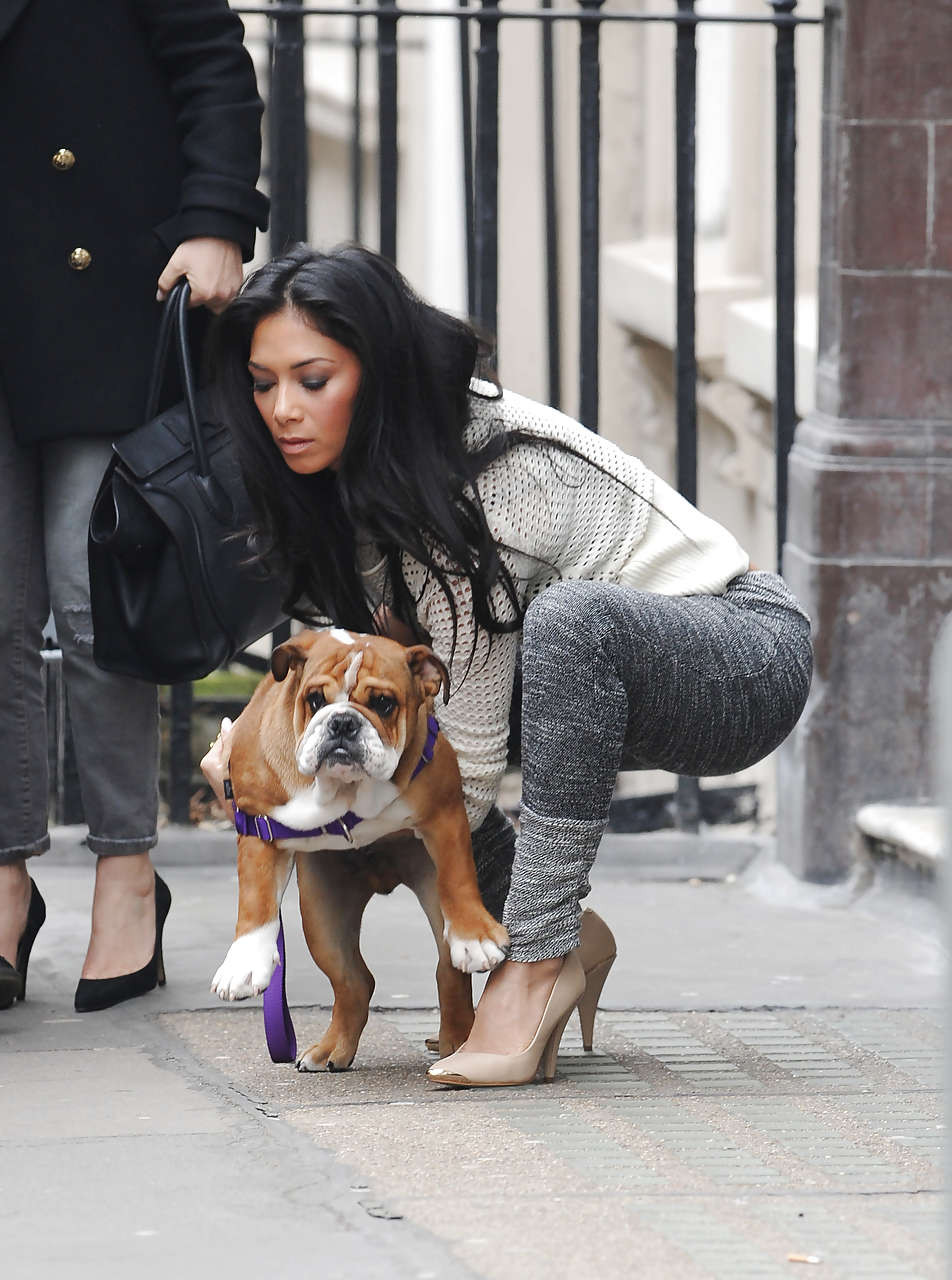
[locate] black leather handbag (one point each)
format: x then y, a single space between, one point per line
175 588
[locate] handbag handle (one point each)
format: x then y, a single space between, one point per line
174 319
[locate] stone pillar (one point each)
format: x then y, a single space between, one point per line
869 548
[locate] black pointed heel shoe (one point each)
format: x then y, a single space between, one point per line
102 993
13 977
11 984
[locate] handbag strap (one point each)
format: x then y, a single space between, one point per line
161 355
175 320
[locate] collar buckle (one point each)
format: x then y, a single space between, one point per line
258 820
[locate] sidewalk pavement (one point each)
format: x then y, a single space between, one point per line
763 1097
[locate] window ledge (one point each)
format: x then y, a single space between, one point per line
735 320
749 357
638 288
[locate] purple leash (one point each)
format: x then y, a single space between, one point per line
278 1027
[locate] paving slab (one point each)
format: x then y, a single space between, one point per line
765 1087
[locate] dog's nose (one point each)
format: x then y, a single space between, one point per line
344 726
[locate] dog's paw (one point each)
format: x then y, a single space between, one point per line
248 966
474 955
325 1057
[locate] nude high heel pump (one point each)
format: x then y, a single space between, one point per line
465 1068
596 952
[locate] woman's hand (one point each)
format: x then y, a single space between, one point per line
212 267
215 762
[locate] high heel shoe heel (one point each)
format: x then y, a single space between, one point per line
93 994
596 952
13 986
467 1068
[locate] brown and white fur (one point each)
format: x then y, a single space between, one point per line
338 726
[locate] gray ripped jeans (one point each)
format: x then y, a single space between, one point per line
46 492
618 678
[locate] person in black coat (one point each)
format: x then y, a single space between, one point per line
130 153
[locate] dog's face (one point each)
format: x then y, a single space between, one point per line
356 701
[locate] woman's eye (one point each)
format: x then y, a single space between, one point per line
382 704
315 700
260 387
314 384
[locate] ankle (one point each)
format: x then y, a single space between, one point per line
537 971
130 873
528 975
13 877
15 890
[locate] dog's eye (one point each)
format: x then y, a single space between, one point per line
382 703
315 699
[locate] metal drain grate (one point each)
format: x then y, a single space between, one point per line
789 1050
813 1141
695 1142
897 1120
879 1031
692 1062
573 1138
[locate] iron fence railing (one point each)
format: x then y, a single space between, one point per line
479 27
480 152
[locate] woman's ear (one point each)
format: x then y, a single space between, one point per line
429 670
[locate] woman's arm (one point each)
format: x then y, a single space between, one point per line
199 44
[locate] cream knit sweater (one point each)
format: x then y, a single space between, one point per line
555 517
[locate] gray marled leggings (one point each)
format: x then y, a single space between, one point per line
613 677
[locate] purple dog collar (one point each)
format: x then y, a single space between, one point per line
432 733
278 1024
267 829
252 824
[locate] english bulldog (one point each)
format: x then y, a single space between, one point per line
336 766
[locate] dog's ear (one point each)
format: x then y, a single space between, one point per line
430 671
293 653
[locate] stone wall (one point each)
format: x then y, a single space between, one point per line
870 529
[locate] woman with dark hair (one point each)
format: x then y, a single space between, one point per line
403 490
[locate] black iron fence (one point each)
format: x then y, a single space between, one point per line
479 44
376 33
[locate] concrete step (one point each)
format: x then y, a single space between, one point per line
906 836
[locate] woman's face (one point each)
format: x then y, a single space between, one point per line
304 387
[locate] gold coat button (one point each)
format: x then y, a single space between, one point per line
80 259
63 159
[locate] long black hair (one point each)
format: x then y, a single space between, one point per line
405 481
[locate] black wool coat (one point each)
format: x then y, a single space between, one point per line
128 126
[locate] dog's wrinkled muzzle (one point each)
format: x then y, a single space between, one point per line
344 727
342 750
